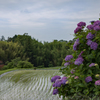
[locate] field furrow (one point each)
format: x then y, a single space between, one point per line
28 85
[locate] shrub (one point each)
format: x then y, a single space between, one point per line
12 64
81 69
50 64
5 67
24 64
18 63
41 66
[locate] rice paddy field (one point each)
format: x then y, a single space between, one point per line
28 85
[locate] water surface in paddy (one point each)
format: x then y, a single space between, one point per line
28 85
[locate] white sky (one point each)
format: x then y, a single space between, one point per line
46 20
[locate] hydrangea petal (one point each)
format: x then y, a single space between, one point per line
68 57
81 24
97 82
55 91
90 36
94 45
88 79
92 64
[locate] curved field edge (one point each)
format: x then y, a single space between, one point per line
8 70
48 68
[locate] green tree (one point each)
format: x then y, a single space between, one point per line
10 50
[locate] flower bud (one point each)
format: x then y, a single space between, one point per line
84 50
76 77
67 82
97 76
96 64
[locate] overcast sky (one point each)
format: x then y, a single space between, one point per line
46 20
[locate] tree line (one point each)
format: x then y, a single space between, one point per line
47 54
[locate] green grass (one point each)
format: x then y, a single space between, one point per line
4 71
57 67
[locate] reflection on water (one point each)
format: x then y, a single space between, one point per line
34 85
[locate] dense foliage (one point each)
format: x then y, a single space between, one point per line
47 54
10 50
82 72
18 63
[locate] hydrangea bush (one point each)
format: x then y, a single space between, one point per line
81 72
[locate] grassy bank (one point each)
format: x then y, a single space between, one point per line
48 68
57 67
4 71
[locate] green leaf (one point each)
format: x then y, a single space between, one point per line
97 38
72 90
95 89
81 66
81 85
85 91
98 54
91 88
90 71
97 67
97 93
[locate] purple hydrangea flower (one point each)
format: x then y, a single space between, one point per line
66 64
76 44
64 81
58 83
64 77
68 57
79 61
90 27
92 64
78 29
96 23
53 79
90 36
74 47
81 24
55 91
76 77
97 28
88 79
80 54
89 42
97 82
72 71
92 21
53 85
94 45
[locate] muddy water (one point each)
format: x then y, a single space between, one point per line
28 85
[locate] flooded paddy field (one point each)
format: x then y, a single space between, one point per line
28 85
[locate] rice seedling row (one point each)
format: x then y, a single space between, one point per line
28 85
